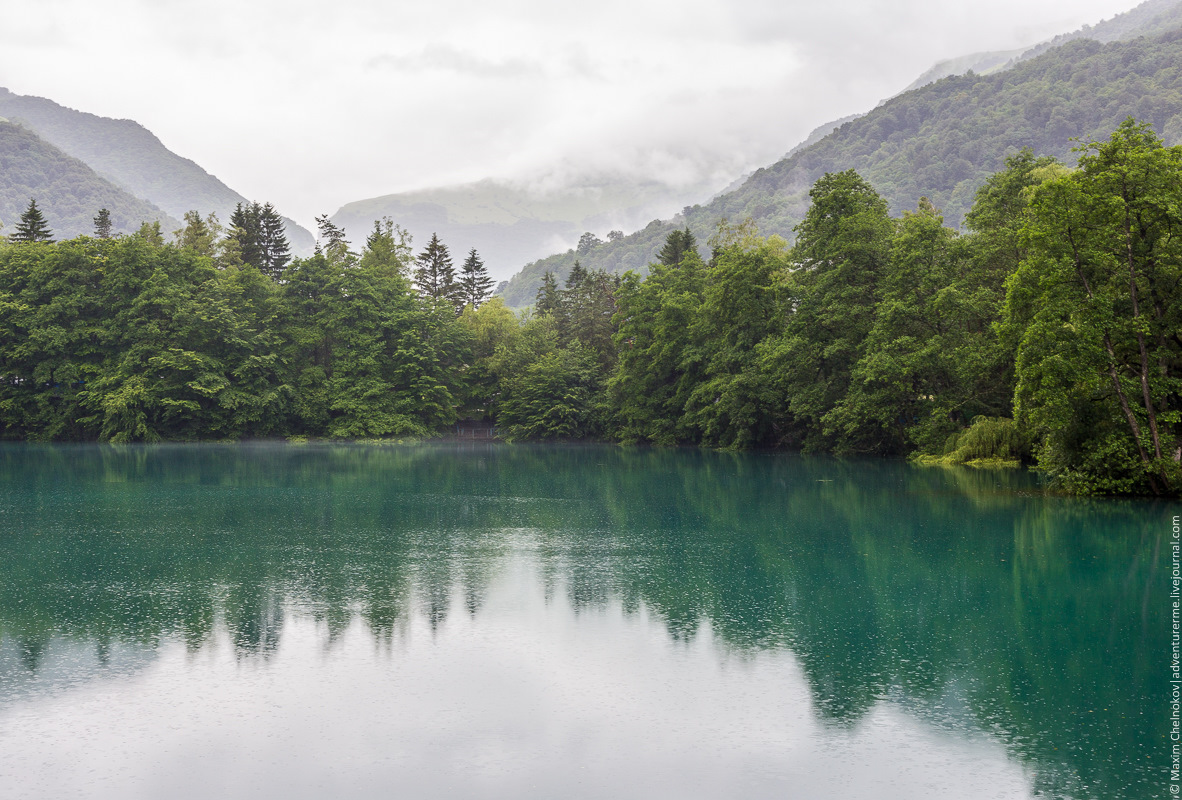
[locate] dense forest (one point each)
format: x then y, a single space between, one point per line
941 141
1049 333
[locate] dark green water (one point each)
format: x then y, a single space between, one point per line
435 621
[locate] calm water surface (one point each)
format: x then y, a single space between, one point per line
495 621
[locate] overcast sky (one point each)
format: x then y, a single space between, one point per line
314 104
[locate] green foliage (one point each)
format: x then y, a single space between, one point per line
257 238
435 275
1098 303
475 285
988 440
32 226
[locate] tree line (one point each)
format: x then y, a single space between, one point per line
1049 333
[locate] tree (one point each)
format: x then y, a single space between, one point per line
332 243
841 254
1098 301
475 285
587 242
32 227
548 299
435 276
388 247
199 235
244 230
677 245
102 224
259 239
274 250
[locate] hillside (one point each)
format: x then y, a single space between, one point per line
1150 18
67 191
940 141
513 224
130 156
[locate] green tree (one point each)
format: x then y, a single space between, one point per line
841 254
32 226
435 276
387 247
199 235
331 242
655 371
677 245
274 250
1099 302
246 234
475 285
732 404
102 224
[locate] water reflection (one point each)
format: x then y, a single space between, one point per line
941 611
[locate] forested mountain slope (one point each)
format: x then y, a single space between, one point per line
940 141
68 191
1150 18
129 155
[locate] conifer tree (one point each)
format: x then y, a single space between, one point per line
244 230
199 235
475 285
32 227
274 250
677 245
332 243
435 276
102 224
548 300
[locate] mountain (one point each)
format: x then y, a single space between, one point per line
68 192
941 140
131 157
1150 18
513 223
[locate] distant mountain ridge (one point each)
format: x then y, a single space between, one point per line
68 192
133 158
510 223
943 139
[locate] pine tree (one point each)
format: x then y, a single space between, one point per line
436 277
548 300
274 250
677 245
32 227
102 224
244 229
475 285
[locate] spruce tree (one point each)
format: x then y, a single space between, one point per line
32 227
102 224
436 277
677 245
244 230
475 285
274 250
548 300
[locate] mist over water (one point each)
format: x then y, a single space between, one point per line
496 621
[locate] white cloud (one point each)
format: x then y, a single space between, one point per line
312 105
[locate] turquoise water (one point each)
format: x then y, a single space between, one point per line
518 621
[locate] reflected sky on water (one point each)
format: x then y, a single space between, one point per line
496 621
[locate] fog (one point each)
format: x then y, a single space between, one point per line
312 105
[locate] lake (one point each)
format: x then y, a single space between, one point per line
449 620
